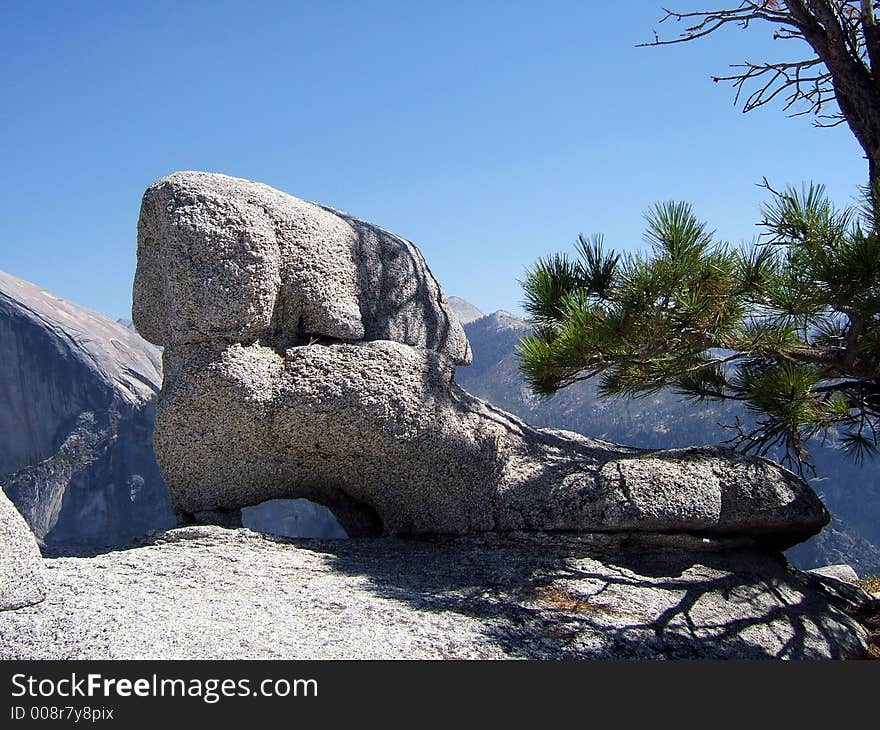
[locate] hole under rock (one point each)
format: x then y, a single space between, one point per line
293 518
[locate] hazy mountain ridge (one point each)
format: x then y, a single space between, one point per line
665 420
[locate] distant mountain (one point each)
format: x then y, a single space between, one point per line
837 543
293 518
77 399
851 491
464 310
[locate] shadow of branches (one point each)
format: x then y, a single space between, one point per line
612 597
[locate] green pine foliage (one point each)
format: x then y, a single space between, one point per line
789 325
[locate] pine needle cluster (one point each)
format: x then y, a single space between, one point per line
788 325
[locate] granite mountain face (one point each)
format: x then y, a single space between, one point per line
852 492
78 404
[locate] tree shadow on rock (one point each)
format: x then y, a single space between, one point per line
542 596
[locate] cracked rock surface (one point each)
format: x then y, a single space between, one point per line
212 593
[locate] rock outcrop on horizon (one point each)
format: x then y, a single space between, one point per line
311 355
22 573
77 401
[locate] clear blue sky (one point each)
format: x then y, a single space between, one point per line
489 133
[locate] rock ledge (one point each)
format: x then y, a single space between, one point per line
209 592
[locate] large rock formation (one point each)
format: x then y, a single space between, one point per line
310 354
227 260
22 574
212 593
77 400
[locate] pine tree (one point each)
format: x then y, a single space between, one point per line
789 326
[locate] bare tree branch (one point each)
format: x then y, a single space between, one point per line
839 83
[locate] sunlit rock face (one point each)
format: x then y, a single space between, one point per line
312 355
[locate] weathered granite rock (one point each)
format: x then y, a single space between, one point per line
22 574
310 355
212 593
224 259
665 420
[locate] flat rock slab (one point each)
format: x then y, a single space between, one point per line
209 592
